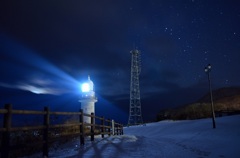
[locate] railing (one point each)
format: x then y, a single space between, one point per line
106 126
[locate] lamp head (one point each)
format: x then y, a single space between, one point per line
85 87
206 69
209 66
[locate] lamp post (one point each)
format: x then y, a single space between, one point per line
208 70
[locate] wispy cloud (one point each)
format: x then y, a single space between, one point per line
40 90
37 86
41 82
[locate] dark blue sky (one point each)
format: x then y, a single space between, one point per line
50 47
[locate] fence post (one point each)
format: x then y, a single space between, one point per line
92 126
7 120
117 127
82 131
103 128
113 127
109 127
45 132
121 129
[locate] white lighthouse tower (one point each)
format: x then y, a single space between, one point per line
88 99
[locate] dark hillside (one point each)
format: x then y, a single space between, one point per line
220 93
226 102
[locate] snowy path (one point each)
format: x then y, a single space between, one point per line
165 139
127 146
114 146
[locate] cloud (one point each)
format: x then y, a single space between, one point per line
40 90
41 82
38 86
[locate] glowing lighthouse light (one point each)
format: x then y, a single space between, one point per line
85 87
88 99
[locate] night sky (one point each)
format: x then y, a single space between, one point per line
47 48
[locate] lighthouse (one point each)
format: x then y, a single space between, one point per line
88 99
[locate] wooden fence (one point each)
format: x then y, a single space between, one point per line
106 127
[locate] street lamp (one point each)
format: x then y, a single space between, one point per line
208 70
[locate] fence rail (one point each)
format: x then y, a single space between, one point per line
106 126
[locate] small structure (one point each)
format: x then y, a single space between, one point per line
88 99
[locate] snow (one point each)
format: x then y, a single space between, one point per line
164 139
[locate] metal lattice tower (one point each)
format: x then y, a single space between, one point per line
135 113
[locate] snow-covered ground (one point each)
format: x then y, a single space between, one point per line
165 139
